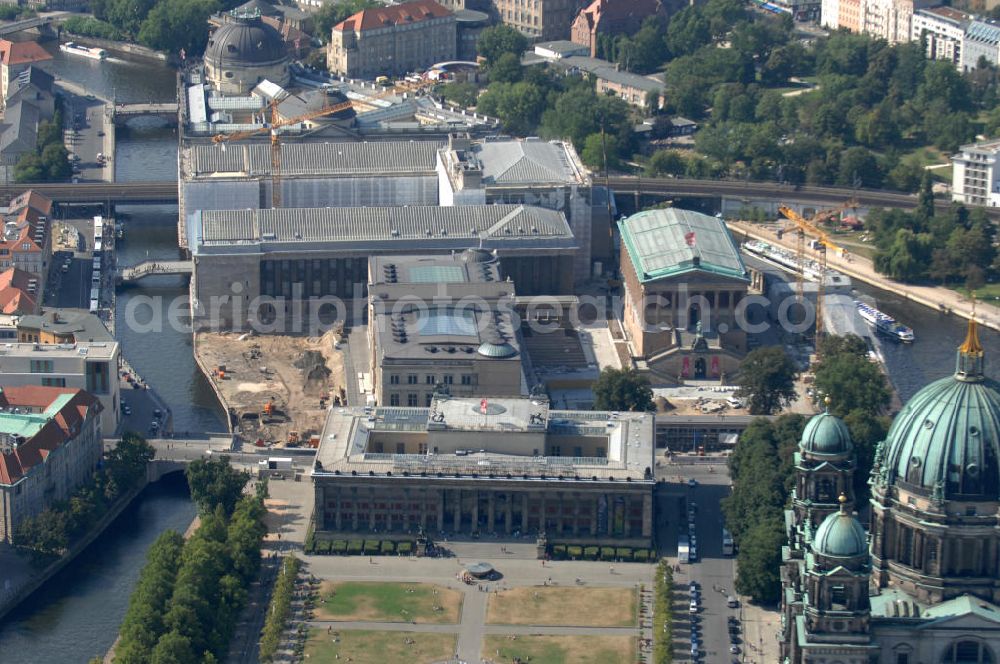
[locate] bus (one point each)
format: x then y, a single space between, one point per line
683 550
98 235
727 543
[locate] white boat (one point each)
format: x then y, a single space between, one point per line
884 323
87 52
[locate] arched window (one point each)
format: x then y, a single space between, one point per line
967 652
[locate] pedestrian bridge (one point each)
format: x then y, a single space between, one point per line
134 273
122 113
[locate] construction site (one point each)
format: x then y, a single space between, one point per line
276 388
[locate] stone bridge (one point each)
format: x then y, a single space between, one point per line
130 275
122 113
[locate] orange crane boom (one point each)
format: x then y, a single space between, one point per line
807 228
277 123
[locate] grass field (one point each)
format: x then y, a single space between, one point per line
988 293
574 607
369 647
561 649
388 602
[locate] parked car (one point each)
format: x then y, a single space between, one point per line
692 482
732 602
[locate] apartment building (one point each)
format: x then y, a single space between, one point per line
975 176
25 243
50 444
982 41
943 30
611 17
392 40
65 350
891 20
539 19
15 57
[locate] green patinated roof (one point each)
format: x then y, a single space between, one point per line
826 435
840 536
657 246
963 605
947 440
22 424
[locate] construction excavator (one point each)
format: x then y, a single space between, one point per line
277 123
821 243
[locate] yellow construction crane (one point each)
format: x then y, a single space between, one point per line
824 242
277 123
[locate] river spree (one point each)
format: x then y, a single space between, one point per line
76 615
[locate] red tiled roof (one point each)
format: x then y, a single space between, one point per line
65 425
14 296
620 10
32 199
410 12
22 53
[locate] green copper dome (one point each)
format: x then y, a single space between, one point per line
826 435
947 439
840 536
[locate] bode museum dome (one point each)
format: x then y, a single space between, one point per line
244 51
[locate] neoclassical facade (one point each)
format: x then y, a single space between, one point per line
922 586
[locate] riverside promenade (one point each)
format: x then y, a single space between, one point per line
861 268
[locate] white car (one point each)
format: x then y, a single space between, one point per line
692 482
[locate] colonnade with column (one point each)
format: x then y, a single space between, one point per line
562 511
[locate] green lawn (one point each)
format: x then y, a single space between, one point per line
368 647
988 293
541 605
560 649
388 602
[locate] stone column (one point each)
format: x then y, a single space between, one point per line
356 515
336 515
371 511
524 513
647 515
475 511
593 514
440 509
509 515
425 509
576 515
626 516
560 507
457 517
542 516
490 512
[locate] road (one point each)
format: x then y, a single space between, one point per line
85 133
714 572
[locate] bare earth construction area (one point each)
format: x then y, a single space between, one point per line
277 386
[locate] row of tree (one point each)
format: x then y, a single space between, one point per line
762 473
50 160
62 523
190 594
280 608
663 614
165 25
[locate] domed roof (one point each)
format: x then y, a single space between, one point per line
947 439
496 349
840 535
826 435
478 256
244 41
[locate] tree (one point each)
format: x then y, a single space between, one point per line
499 39
173 648
850 381
666 162
758 564
173 25
506 69
600 152
622 389
463 94
519 105
214 483
766 380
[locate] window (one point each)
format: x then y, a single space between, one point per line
411 379
838 597
394 399
466 379
394 379
421 448
555 450
400 448
902 658
448 379
53 382
427 400
430 379
967 652
411 400
41 366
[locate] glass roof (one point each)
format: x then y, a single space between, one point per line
436 274
448 323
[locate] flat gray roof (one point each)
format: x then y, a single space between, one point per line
467 267
205 161
500 226
527 162
446 333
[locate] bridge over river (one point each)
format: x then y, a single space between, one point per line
132 274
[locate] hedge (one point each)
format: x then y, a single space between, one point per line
354 547
663 615
574 552
388 546
277 615
371 547
323 546
559 552
624 554
607 553
339 547
404 548
591 552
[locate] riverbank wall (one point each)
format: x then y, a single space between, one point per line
208 376
932 297
36 581
124 48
